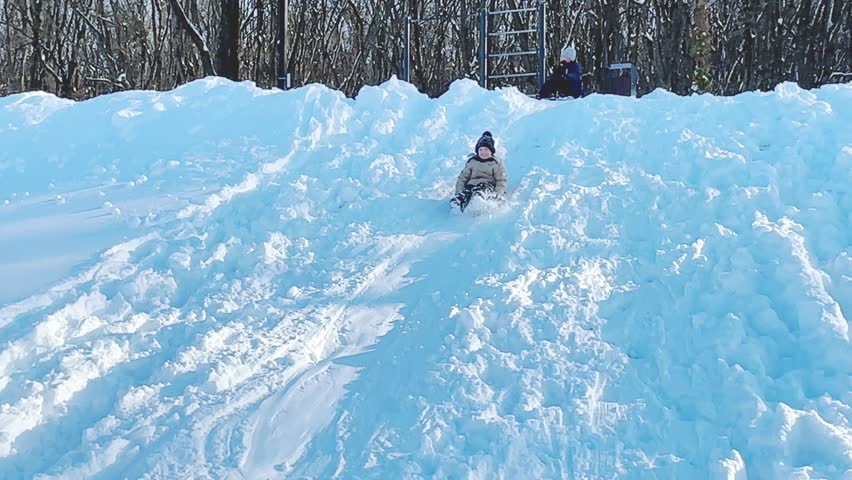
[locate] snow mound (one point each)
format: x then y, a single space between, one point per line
224 282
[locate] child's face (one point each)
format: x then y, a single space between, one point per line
484 153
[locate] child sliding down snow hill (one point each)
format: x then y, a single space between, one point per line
483 175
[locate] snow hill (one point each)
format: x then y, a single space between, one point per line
225 282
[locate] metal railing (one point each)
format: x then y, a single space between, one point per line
484 54
540 51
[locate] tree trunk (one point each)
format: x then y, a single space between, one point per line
227 55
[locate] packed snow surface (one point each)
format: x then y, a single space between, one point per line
225 282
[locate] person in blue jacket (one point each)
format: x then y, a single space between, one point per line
567 77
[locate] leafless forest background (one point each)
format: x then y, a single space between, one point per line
83 48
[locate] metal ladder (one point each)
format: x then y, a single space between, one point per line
485 54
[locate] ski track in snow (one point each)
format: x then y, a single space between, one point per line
666 296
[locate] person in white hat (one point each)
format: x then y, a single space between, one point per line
567 77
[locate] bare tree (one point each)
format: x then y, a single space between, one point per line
83 48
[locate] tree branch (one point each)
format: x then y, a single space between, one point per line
196 37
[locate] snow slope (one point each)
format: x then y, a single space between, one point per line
230 283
